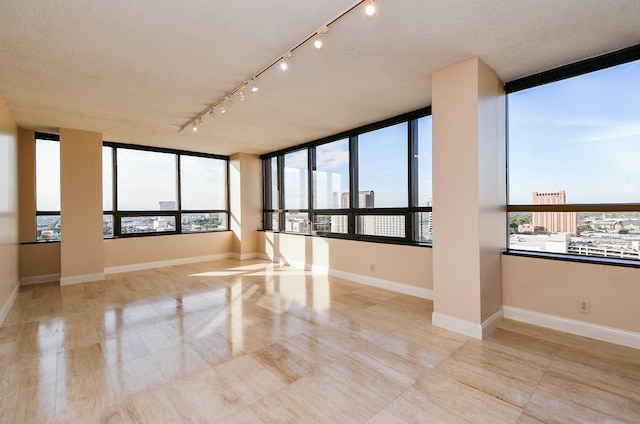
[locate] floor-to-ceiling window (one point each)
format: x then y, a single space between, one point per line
574 159
372 183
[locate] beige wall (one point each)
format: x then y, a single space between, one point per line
245 187
144 250
27 185
39 260
409 265
9 255
468 137
81 251
554 287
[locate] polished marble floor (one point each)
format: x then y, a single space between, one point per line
252 342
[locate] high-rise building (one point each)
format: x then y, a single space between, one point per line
554 222
366 199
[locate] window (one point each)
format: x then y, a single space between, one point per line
574 162
362 184
331 176
382 167
162 191
48 226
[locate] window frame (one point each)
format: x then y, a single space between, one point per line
410 212
576 69
117 214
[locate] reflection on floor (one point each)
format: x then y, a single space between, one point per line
252 342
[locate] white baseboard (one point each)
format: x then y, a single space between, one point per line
579 328
39 279
4 311
160 264
468 328
244 256
79 279
491 323
395 286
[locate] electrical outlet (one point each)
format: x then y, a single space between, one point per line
372 268
583 306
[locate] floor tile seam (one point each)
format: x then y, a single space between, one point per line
535 387
572 380
566 400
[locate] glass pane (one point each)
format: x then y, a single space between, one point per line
331 177
204 183
147 224
610 234
146 180
47 175
296 223
107 178
200 222
331 224
274 183
48 227
425 197
580 135
425 227
107 225
295 180
381 225
382 165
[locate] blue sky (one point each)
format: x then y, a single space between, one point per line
581 135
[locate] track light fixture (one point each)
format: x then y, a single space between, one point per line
282 62
370 10
318 43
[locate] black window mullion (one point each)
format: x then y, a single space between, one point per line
411 218
266 193
178 215
353 184
311 167
117 227
281 204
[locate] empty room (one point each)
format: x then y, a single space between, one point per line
344 211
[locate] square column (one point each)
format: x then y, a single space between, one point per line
469 195
81 245
245 192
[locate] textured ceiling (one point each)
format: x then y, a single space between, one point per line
137 71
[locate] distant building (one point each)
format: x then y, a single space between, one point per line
167 205
366 199
554 222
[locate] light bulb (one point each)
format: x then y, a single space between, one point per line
254 86
241 94
195 127
223 109
283 63
318 43
370 10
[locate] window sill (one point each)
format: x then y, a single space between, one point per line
629 263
